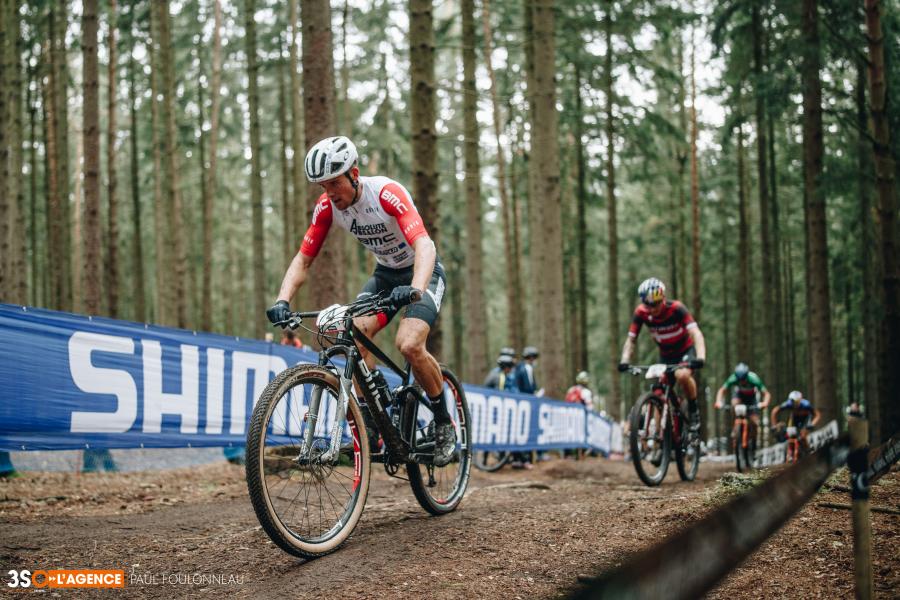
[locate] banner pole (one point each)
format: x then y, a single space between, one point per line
858 461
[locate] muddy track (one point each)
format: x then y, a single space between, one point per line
518 534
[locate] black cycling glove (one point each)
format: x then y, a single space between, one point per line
623 367
405 294
279 312
697 363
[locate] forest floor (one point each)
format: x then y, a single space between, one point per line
517 534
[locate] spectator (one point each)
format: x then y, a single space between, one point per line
289 338
580 392
525 379
7 470
502 377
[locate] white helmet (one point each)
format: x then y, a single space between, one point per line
330 158
796 396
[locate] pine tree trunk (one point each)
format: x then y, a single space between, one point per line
423 130
867 264
768 300
6 201
725 238
612 282
256 202
287 213
680 286
545 151
92 256
112 240
300 188
210 174
175 212
327 276
744 324
534 239
476 315
513 289
889 409
53 208
78 234
455 259
581 361
137 258
60 82
819 340
518 332
35 248
162 236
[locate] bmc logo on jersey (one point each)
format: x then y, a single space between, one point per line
321 207
392 199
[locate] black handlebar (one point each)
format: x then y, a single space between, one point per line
364 306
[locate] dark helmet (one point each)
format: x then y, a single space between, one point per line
530 352
505 360
741 371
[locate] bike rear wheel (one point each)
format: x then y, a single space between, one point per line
740 452
490 461
307 505
439 490
649 439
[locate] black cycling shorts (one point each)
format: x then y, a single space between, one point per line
688 355
385 279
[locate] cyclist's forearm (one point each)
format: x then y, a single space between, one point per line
699 342
720 395
627 350
294 277
426 255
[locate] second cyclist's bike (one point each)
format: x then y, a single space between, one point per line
658 428
743 439
312 440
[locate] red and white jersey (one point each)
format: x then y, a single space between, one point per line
384 219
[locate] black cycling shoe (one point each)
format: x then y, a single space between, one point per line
444 444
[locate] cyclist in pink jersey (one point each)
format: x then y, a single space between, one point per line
381 214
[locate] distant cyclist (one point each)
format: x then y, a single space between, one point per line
803 415
675 332
381 215
744 384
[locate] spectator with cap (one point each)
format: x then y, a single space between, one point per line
525 378
502 376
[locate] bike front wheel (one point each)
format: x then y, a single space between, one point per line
741 453
307 502
649 440
687 456
439 490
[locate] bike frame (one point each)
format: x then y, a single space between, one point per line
398 449
668 397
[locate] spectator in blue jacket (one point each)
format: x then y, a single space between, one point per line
525 379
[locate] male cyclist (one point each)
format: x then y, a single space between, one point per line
675 332
743 384
381 214
803 415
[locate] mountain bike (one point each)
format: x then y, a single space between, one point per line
491 461
657 428
743 439
309 455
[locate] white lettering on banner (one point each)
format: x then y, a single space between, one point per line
97 380
243 363
215 389
499 420
156 402
560 424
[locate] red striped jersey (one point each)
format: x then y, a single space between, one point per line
669 330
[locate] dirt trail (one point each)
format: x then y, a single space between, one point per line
518 534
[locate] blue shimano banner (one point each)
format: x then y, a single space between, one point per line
69 381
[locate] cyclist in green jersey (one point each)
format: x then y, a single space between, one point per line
744 384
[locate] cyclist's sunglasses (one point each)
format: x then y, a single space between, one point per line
650 304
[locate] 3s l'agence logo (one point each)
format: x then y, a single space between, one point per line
66 578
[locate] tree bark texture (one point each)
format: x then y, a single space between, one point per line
327 274
819 340
423 129
889 409
256 200
744 323
614 402
476 313
210 187
137 257
545 153
92 256
112 224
